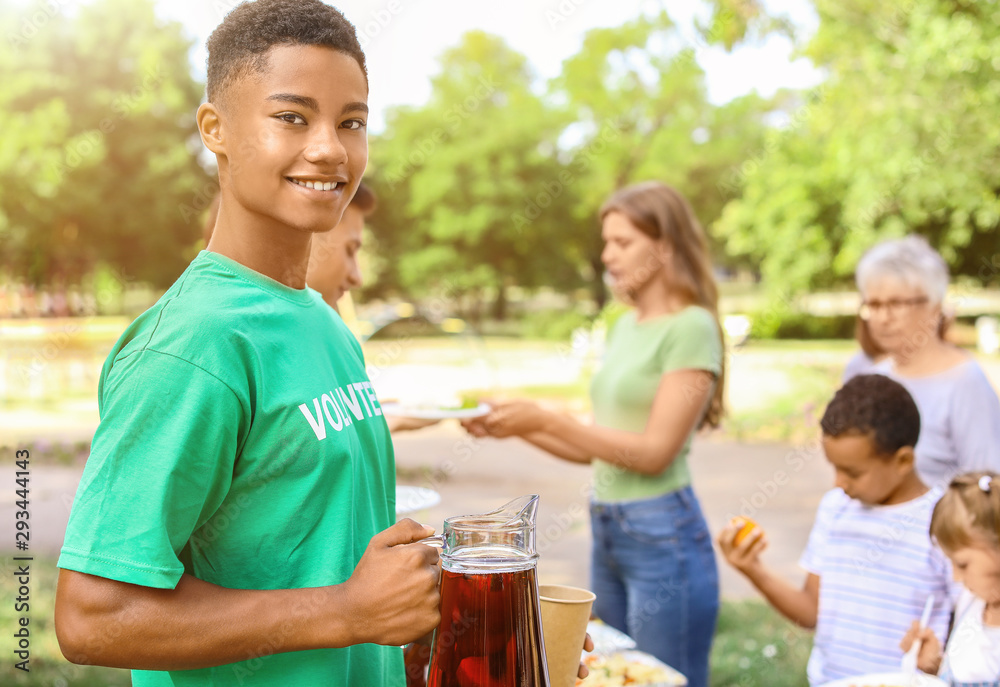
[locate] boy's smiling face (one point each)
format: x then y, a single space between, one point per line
292 141
865 475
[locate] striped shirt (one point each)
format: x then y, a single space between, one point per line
877 566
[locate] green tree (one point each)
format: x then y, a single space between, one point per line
457 179
97 161
902 138
641 112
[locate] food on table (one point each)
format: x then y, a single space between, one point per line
618 670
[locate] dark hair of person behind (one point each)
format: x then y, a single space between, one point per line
876 406
238 47
364 199
662 213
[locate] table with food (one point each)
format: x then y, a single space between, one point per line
615 662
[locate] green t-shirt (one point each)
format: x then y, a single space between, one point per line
622 392
240 442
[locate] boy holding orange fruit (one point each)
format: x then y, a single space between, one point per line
871 564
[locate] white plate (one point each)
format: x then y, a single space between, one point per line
413 499
889 679
608 640
425 413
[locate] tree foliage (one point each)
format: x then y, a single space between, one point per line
497 181
455 176
903 137
96 160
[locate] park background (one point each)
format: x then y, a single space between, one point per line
803 132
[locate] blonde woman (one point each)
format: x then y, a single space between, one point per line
653 566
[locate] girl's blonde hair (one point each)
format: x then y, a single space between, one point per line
663 214
969 512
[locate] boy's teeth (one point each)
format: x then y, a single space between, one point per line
317 185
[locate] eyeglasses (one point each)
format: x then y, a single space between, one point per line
892 307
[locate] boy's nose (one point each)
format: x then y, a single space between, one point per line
325 147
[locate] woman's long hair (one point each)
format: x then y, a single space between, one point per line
662 213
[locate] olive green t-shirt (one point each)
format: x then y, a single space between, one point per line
622 392
240 442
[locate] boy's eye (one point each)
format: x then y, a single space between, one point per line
354 124
291 118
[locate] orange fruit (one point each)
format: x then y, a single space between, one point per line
741 534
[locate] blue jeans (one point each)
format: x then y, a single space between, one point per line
655 578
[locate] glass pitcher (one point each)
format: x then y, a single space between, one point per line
491 630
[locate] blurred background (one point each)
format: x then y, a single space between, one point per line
802 131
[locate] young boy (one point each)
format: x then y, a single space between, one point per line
234 522
870 561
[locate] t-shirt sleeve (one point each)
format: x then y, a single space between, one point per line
693 343
975 424
814 558
161 463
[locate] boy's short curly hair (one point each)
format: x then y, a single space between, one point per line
876 406
238 47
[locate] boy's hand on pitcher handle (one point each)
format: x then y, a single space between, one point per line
393 593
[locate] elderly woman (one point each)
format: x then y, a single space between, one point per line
902 284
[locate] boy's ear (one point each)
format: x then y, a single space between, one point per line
905 458
210 128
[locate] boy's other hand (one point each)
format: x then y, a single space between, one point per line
929 656
392 596
588 645
745 555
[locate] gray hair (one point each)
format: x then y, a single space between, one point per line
911 260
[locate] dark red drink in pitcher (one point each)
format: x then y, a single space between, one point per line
491 628
489 633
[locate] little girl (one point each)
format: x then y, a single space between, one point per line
966 525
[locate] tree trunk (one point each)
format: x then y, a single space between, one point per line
599 291
500 304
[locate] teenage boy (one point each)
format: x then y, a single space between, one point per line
234 522
870 561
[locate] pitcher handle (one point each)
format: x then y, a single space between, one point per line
437 541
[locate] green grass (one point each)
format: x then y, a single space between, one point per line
792 417
48 667
756 647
